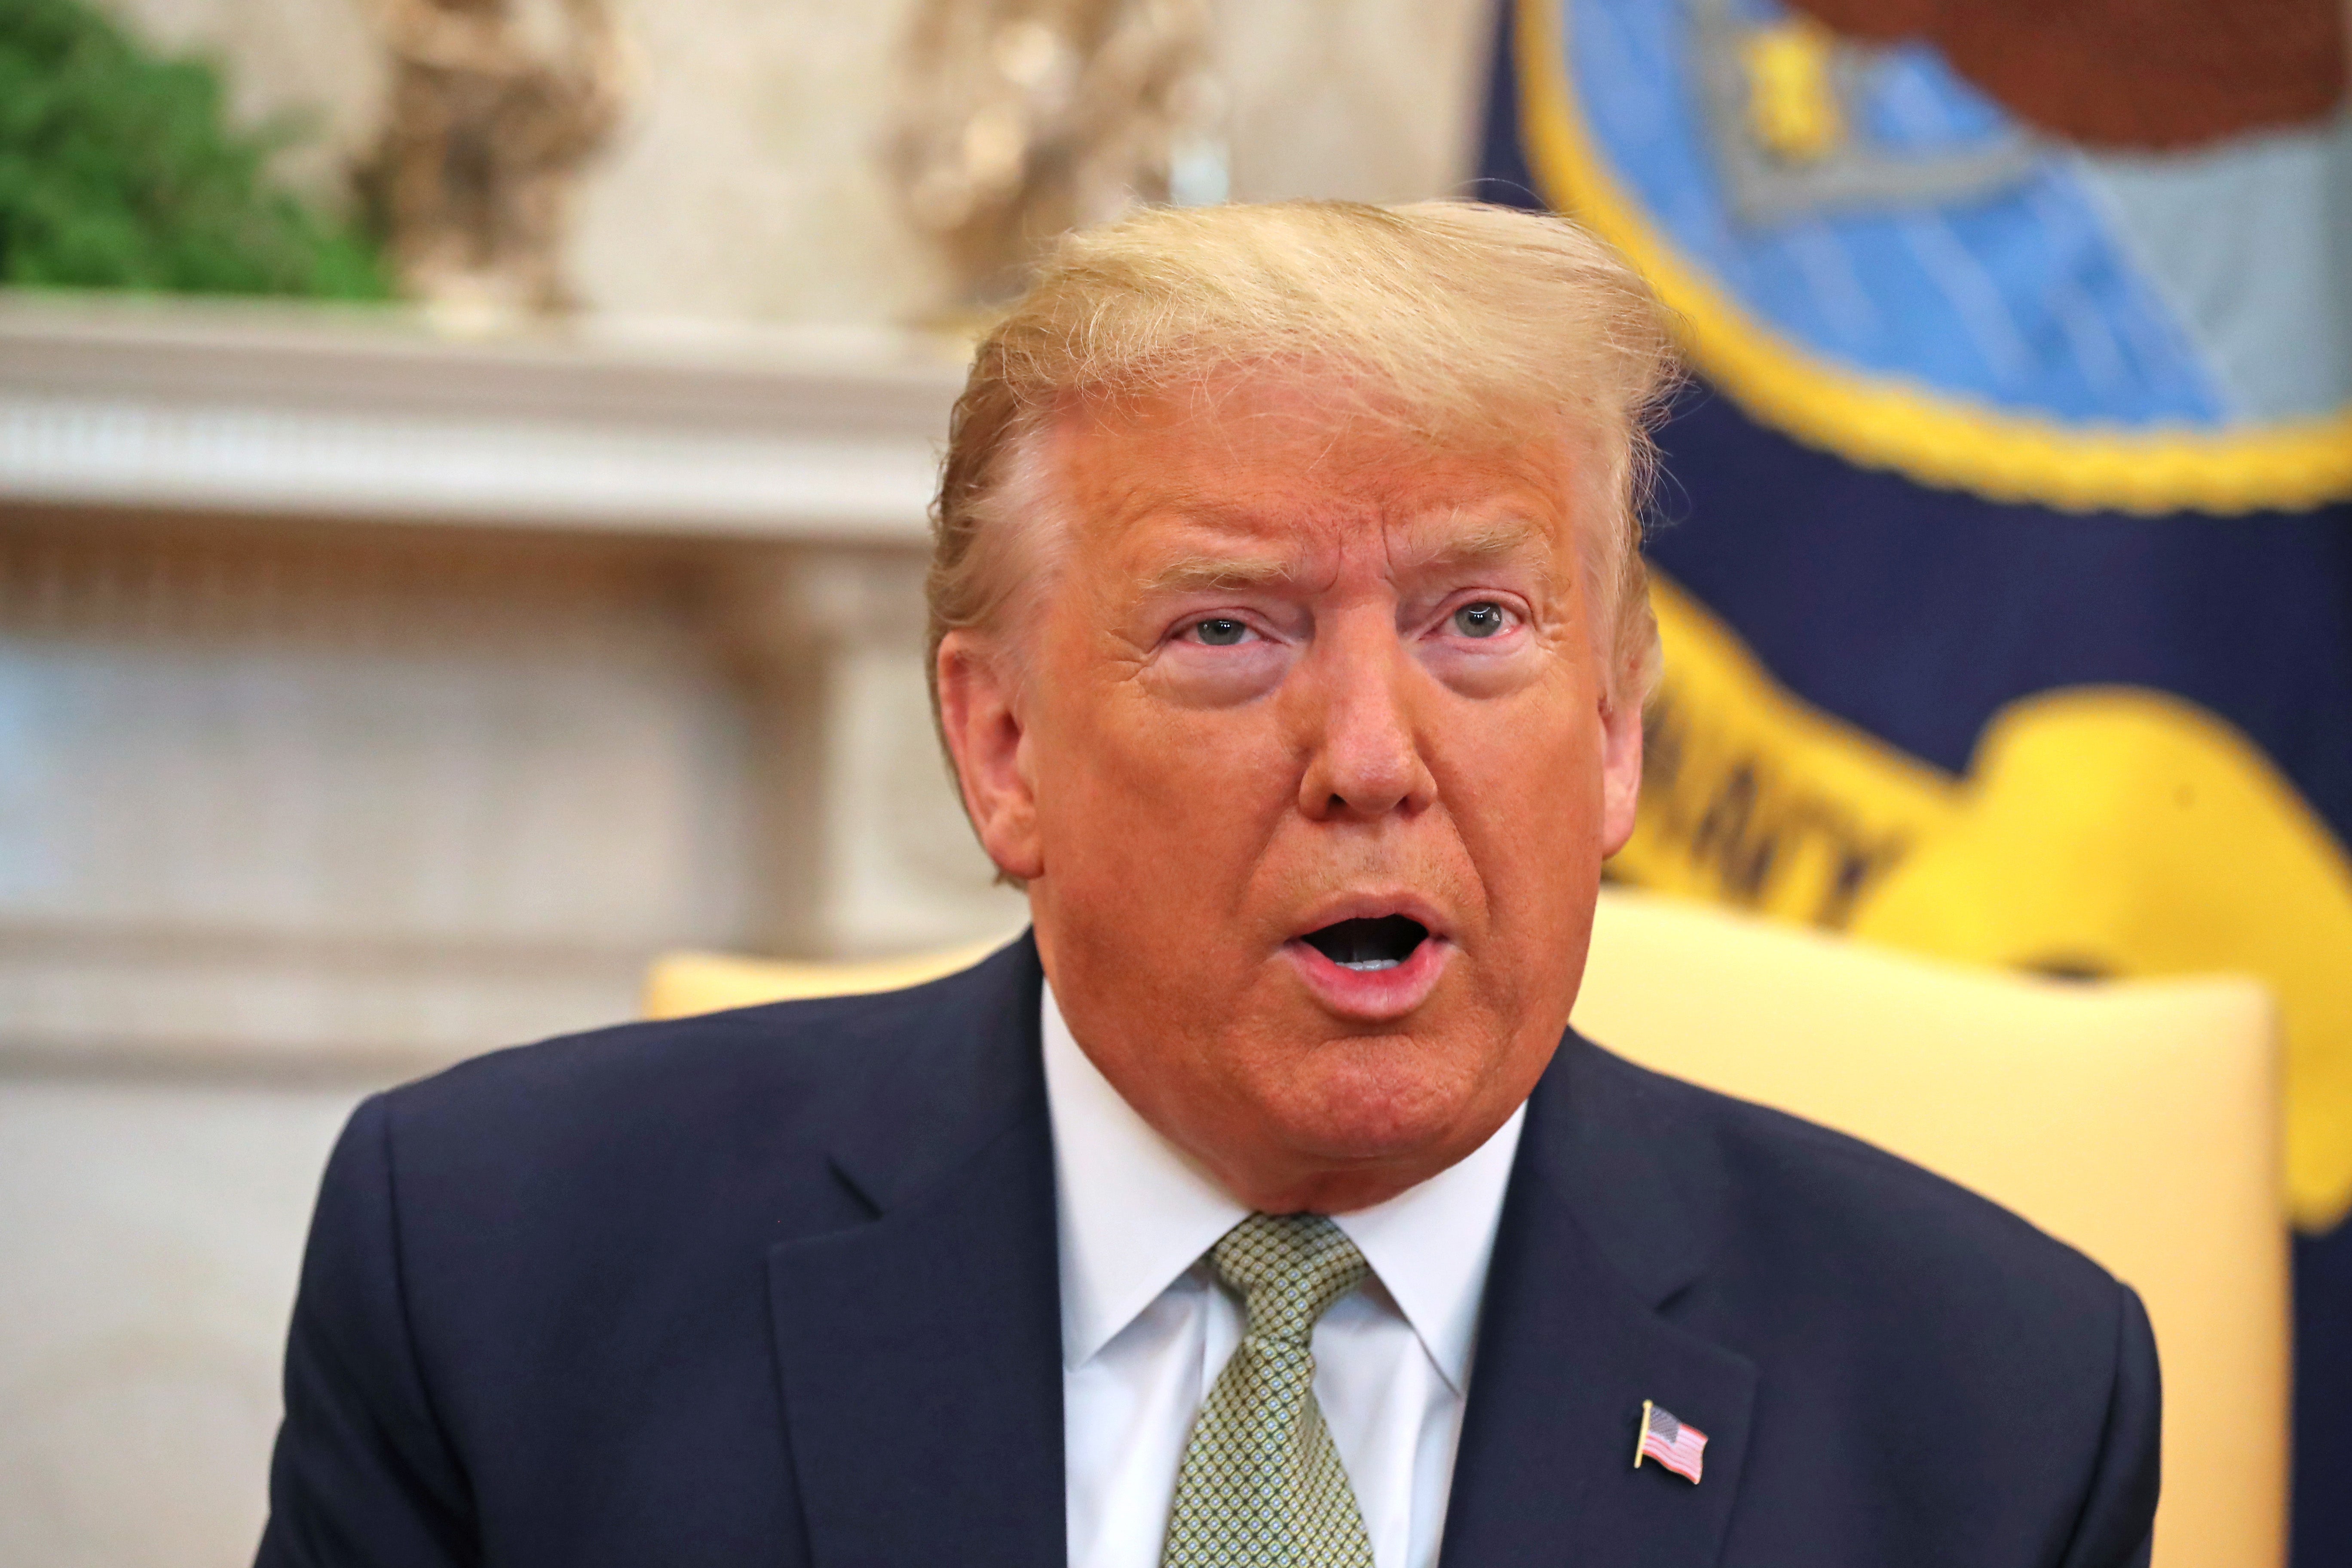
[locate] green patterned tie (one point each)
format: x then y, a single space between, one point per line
1262 1485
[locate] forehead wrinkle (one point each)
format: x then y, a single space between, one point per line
1212 520
1482 542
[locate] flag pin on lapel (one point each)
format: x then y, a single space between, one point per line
1678 1446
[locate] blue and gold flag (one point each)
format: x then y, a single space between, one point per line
2006 577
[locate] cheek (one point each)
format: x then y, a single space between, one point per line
1522 781
1142 787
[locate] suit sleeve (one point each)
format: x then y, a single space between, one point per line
363 1476
2117 1524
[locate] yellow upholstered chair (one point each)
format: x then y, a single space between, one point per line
681 984
2138 1122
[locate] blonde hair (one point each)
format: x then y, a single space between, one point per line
1449 319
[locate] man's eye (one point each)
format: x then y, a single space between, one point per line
1483 620
1220 631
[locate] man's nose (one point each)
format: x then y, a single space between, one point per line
1363 759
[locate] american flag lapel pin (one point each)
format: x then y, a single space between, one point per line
1678 1446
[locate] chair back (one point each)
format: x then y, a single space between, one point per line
2140 1121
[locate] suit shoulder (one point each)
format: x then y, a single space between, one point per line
1781 1186
777 1075
801 1039
1869 1293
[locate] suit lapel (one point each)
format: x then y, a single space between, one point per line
1598 1234
920 1352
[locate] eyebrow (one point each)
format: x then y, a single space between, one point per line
1205 573
1487 542
1226 574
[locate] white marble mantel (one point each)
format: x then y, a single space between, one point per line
690 429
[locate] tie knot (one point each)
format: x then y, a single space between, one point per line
1288 1269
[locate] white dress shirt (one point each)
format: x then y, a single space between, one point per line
1145 1329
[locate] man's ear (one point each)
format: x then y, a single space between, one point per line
1621 771
980 714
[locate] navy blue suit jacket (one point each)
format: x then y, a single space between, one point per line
778 1287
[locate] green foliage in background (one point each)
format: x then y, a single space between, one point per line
120 170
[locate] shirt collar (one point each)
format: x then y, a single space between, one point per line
1134 1212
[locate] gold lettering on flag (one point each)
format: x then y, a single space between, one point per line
2098 831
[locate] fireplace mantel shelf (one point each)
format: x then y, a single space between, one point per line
340 413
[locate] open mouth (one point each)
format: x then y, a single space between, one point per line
1368 944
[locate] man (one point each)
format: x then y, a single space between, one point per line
1259 1207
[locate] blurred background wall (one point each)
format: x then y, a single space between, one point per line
748 181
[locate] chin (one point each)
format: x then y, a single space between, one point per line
1362 1103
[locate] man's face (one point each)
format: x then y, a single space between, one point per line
1310 772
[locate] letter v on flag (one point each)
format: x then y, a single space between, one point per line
1679 1446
